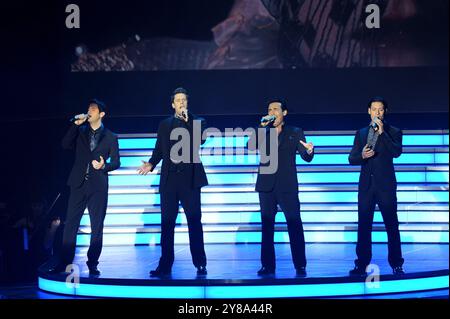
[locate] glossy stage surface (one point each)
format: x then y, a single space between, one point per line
232 273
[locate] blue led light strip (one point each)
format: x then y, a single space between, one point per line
232 237
318 140
253 291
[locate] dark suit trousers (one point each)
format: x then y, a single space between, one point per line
387 203
177 191
290 205
96 202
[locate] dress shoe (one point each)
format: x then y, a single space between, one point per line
358 271
264 271
159 272
398 270
201 271
301 272
56 270
93 271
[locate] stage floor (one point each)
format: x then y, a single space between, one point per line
242 261
232 273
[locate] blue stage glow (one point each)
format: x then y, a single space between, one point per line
437 177
134 180
318 140
319 159
303 178
227 237
59 287
130 190
137 143
305 197
244 291
325 290
425 140
162 292
255 217
393 286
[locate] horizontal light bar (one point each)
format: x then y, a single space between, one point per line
255 217
440 237
319 159
246 291
302 188
318 140
305 197
122 291
326 290
303 178
232 228
313 207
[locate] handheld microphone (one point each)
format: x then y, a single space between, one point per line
184 114
79 117
268 119
373 124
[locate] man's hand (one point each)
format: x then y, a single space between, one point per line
99 165
55 223
145 168
367 152
81 121
309 147
380 125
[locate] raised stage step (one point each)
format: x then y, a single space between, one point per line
327 191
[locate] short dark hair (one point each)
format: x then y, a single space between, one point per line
178 91
101 105
378 99
278 100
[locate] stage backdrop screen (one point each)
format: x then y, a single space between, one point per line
258 34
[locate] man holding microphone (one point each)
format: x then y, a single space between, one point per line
93 144
374 148
182 177
280 186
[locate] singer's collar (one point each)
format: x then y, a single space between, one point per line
99 129
385 123
281 124
178 117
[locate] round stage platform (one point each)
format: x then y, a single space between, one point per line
232 273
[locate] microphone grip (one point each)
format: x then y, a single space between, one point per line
79 117
268 120
373 124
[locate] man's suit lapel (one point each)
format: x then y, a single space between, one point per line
364 135
88 142
379 146
85 137
283 135
169 128
102 135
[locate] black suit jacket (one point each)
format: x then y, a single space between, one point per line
77 138
286 174
381 166
162 152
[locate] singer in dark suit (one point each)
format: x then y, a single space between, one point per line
181 181
279 185
93 144
374 148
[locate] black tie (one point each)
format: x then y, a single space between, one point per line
92 143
